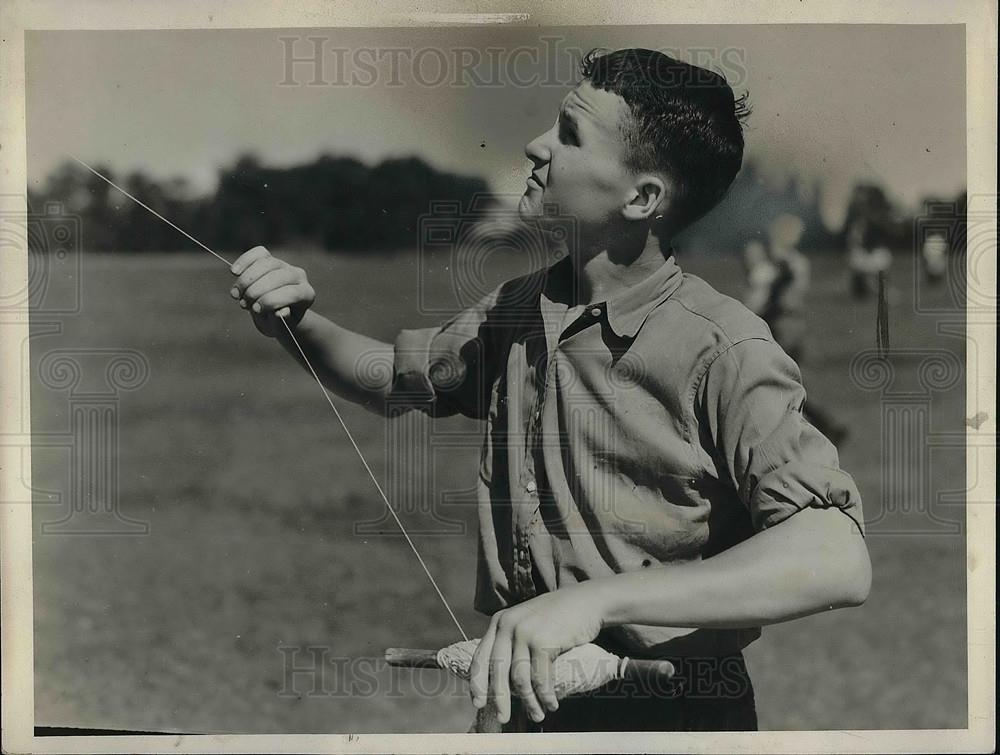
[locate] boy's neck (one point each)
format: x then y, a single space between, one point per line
604 272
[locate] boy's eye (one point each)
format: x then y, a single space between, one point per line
566 134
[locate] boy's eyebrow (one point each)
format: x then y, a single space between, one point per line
567 116
566 111
571 105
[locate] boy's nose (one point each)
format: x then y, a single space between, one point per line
537 151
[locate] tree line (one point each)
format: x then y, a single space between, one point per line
331 203
340 203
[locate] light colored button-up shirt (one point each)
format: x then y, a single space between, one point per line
660 427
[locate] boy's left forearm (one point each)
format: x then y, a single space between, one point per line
814 561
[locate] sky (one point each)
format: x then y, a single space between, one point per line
835 103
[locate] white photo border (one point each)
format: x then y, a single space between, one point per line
979 17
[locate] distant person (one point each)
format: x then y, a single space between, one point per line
777 286
865 260
935 258
779 282
761 274
647 479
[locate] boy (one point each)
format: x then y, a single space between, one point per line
648 481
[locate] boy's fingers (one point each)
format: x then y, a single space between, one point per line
520 678
247 258
541 678
269 281
282 296
256 270
479 669
499 666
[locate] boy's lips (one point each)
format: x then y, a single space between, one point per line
534 181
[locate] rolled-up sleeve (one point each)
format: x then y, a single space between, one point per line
750 400
448 369
411 372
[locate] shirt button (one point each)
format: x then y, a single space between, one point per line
531 487
596 312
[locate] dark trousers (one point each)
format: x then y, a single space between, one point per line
706 694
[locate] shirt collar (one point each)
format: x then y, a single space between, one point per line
627 311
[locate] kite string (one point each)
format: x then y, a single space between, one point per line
378 487
150 209
326 395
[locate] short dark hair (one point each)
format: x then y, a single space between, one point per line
685 121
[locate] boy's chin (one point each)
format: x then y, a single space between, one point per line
531 210
528 210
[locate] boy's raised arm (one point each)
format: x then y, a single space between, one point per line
350 364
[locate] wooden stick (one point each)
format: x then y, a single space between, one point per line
652 673
412 658
646 671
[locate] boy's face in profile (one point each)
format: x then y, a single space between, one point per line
579 163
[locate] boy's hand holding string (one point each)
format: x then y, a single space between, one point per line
270 288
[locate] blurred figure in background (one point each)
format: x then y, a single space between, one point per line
865 260
778 274
761 273
777 284
935 257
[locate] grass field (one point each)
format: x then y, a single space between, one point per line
252 496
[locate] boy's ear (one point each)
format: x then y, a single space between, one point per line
649 198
